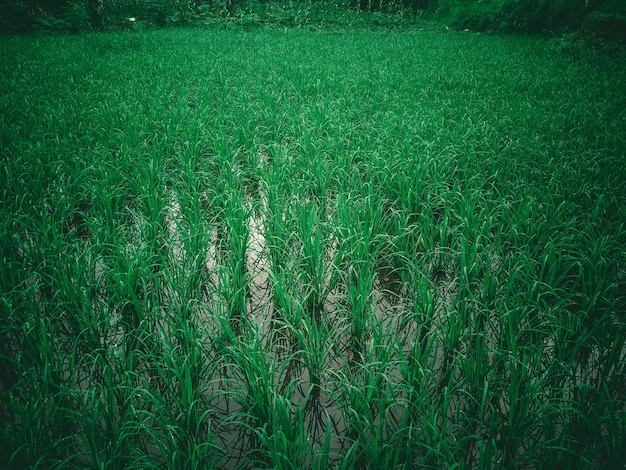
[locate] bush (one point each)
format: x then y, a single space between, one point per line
15 17
61 16
520 16
605 27
156 12
528 16
76 17
568 15
43 22
215 9
463 14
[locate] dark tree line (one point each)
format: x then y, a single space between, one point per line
605 19
526 16
78 15
26 15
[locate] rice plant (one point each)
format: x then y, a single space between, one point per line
311 249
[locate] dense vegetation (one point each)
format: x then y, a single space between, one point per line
294 249
603 20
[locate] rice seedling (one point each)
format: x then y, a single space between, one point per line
225 248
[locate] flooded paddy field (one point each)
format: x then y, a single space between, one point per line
287 249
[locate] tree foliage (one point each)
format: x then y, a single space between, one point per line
527 16
598 19
77 15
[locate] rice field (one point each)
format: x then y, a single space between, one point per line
293 249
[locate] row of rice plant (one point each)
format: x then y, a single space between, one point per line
283 249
